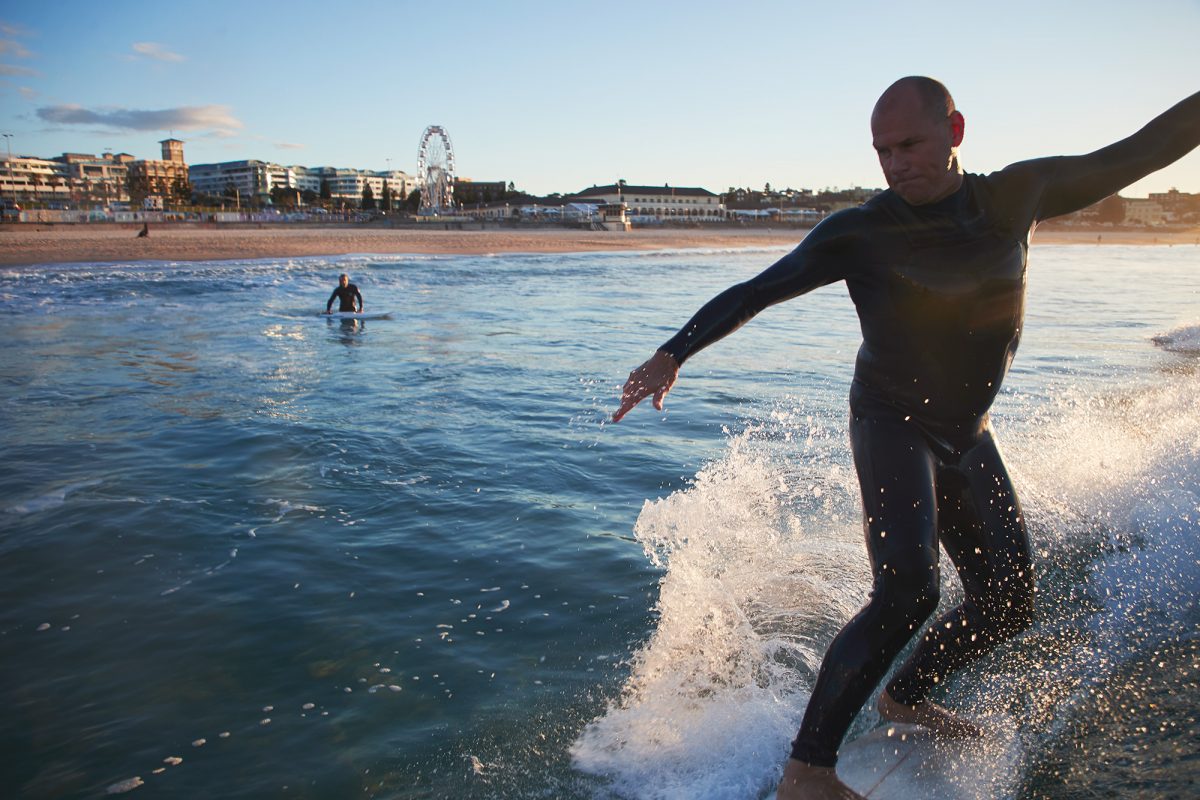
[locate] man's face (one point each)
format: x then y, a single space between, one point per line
916 151
344 281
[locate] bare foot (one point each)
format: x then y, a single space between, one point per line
939 720
802 781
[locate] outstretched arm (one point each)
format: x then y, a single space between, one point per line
1076 182
358 296
329 305
818 260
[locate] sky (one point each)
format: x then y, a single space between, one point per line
559 96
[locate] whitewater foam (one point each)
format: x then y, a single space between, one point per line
752 593
763 563
1183 339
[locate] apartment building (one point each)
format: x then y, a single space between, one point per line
1143 211
97 179
247 180
28 178
69 178
253 180
349 184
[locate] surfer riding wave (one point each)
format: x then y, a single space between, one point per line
935 266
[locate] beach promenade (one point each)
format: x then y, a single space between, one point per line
42 244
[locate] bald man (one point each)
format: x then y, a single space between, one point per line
935 266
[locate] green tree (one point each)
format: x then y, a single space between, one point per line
231 193
138 187
181 190
385 202
285 196
368 198
326 192
413 202
1111 209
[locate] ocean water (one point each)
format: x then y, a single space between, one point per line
248 552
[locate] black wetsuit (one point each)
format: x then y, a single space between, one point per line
345 295
940 295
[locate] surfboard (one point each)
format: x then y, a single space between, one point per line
902 762
358 315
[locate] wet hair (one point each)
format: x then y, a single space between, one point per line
935 97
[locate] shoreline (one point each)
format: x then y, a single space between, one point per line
27 245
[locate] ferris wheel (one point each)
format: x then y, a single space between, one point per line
435 170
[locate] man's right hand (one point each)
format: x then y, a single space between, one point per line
655 377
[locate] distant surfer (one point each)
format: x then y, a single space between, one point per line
347 295
144 233
935 266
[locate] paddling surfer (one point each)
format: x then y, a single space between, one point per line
935 266
346 293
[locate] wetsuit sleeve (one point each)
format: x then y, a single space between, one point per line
358 295
329 305
1075 182
819 260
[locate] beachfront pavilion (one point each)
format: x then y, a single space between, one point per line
659 203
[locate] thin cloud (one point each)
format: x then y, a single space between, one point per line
156 51
12 70
215 118
11 29
289 146
27 92
15 49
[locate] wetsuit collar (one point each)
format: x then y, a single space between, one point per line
950 204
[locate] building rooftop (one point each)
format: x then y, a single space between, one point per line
677 191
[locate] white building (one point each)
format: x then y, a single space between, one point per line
660 203
255 179
24 178
348 184
245 180
1139 211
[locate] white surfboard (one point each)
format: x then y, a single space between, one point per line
358 315
906 762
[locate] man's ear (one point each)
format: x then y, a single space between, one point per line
957 126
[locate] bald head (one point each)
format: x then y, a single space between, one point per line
931 97
916 132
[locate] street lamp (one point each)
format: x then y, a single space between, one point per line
387 190
12 185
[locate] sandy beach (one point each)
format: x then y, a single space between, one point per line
42 244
